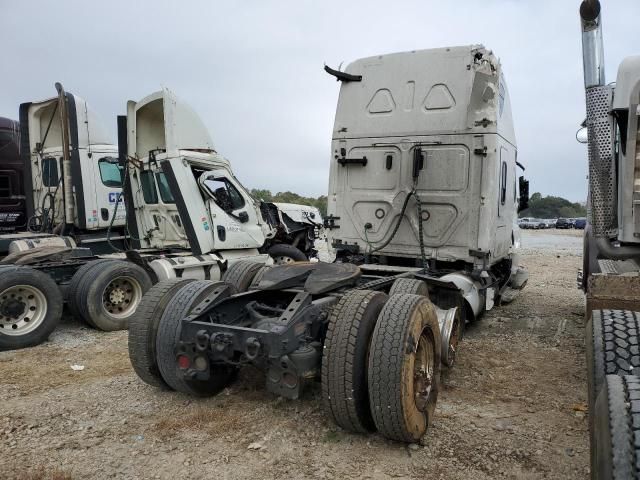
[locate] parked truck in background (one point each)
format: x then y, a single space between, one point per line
80 246
13 215
423 197
610 275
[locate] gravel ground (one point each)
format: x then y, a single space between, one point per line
513 407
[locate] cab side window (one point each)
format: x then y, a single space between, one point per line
224 193
163 186
149 191
110 172
49 172
503 183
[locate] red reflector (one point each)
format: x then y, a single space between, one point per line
184 362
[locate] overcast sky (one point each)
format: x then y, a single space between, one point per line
253 69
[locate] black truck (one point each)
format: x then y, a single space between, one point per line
12 198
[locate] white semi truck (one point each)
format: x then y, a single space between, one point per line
424 171
422 217
66 153
86 250
610 275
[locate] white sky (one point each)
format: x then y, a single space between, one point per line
253 69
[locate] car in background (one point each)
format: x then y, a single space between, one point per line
531 223
549 222
564 223
580 223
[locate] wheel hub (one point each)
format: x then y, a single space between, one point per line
121 297
283 260
117 296
12 308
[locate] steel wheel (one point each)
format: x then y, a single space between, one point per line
451 332
122 296
424 369
283 260
22 309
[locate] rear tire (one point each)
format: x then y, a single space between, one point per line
615 450
77 288
404 367
258 277
612 347
111 292
30 307
241 274
143 329
345 393
284 254
409 285
168 337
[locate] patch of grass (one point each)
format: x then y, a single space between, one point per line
332 437
210 419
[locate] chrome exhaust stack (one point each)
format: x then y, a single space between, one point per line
592 45
602 171
67 181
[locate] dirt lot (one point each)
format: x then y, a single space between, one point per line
513 407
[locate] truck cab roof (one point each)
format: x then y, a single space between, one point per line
425 92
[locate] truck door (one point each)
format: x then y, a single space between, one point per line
160 219
234 216
107 186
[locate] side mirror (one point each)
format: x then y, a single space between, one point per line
243 217
523 200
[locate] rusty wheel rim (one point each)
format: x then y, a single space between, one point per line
122 296
424 369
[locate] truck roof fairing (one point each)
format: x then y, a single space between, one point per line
161 121
90 129
435 91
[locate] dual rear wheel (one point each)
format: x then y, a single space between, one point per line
106 293
381 364
154 334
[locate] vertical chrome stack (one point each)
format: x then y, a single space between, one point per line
602 171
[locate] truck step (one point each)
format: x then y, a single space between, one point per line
618 267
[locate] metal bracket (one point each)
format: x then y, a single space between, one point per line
215 297
330 222
481 151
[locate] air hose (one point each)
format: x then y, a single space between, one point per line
418 164
423 256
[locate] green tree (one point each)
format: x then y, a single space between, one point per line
259 194
290 197
552 207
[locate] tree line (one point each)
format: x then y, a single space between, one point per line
289 197
552 207
539 206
